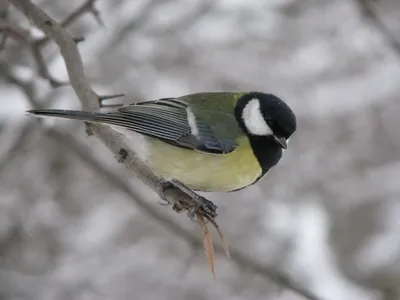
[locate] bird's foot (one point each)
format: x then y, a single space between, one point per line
199 202
209 207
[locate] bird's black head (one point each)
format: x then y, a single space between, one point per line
265 116
268 123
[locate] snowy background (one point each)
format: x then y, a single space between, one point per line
328 214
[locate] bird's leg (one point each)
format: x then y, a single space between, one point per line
208 206
109 97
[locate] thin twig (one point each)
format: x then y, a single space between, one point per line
86 7
207 244
15 146
135 23
3 16
369 13
37 45
224 244
17 32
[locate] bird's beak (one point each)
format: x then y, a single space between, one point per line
281 141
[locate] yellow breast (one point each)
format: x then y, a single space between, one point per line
203 171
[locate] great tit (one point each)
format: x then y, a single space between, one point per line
213 142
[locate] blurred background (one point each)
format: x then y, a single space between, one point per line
328 215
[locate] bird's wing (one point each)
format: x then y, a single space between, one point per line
173 121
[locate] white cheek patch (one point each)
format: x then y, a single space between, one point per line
192 122
254 120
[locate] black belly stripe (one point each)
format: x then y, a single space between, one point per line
267 152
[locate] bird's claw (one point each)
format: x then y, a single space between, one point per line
199 202
209 207
177 208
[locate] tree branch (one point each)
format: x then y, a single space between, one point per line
86 7
36 45
67 48
369 13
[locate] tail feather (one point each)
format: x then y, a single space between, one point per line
146 124
66 114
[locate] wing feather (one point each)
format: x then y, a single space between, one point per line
167 119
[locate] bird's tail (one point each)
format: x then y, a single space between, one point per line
132 120
66 114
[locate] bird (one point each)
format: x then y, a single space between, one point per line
208 142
